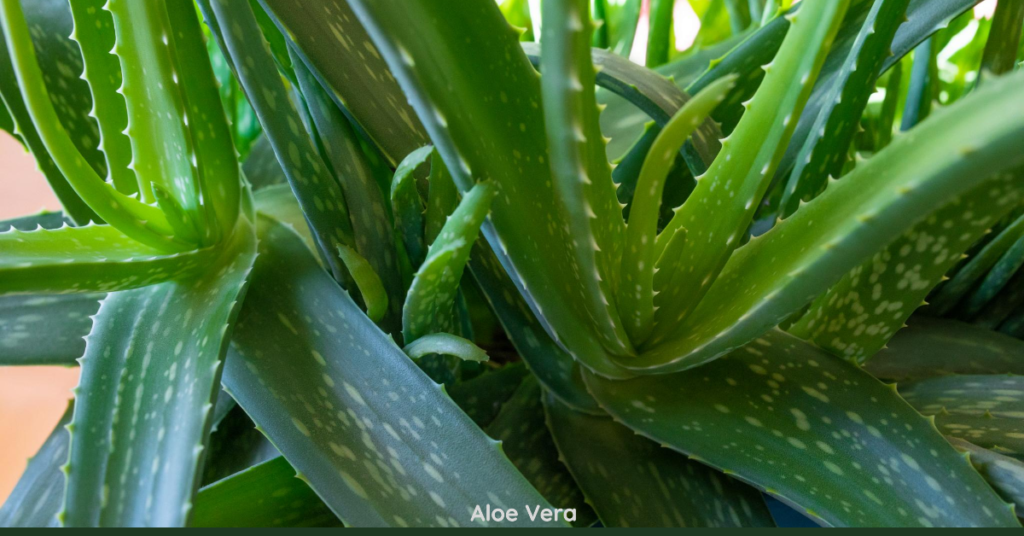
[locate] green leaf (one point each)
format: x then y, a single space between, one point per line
1004 304
856 317
444 69
720 208
265 495
96 258
235 443
580 170
371 226
319 194
35 499
279 203
429 304
481 398
824 149
889 105
442 198
445 344
407 205
933 347
1003 40
45 329
996 434
367 280
995 280
149 378
924 85
785 268
950 294
665 488
812 430
1003 473
245 127
636 290
334 46
998 395
94 33
261 167
659 33
372 434
526 441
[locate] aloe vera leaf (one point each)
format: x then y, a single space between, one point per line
822 153
1003 473
160 139
261 167
580 171
791 419
407 205
442 198
104 259
659 34
636 290
1004 303
245 127
265 495
1014 324
7 122
599 14
368 282
216 163
1004 38
142 222
428 305
379 400
481 398
431 65
658 97
319 194
445 344
279 203
45 329
625 24
868 305
35 499
854 218
997 434
143 410
373 98
721 206
183 225
995 280
888 115
235 444
666 488
94 33
556 370
371 226
525 439
950 294
998 395
921 92
930 347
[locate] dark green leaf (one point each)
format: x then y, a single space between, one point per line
35 499
482 397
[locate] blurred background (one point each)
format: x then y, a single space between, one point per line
32 399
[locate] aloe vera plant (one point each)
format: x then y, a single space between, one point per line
390 263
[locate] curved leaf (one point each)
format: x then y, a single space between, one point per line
370 286
45 329
999 395
35 499
445 344
1003 473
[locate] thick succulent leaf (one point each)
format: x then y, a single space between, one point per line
1003 473
442 198
45 329
950 294
279 203
636 296
481 398
922 91
659 33
934 347
1003 304
1003 40
887 117
1000 435
265 495
633 482
556 370
720 208
368 282
857 315
471 108
319 194
924 18
823 152
149 379
96 258
371 226
261 167
334 46
580 170
235 443
445 344
94 32
35 499
995 280
998 395
785 268
372 434
407 205
812 430
526 441
431 298
245 127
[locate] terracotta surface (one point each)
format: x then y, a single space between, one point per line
32 399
